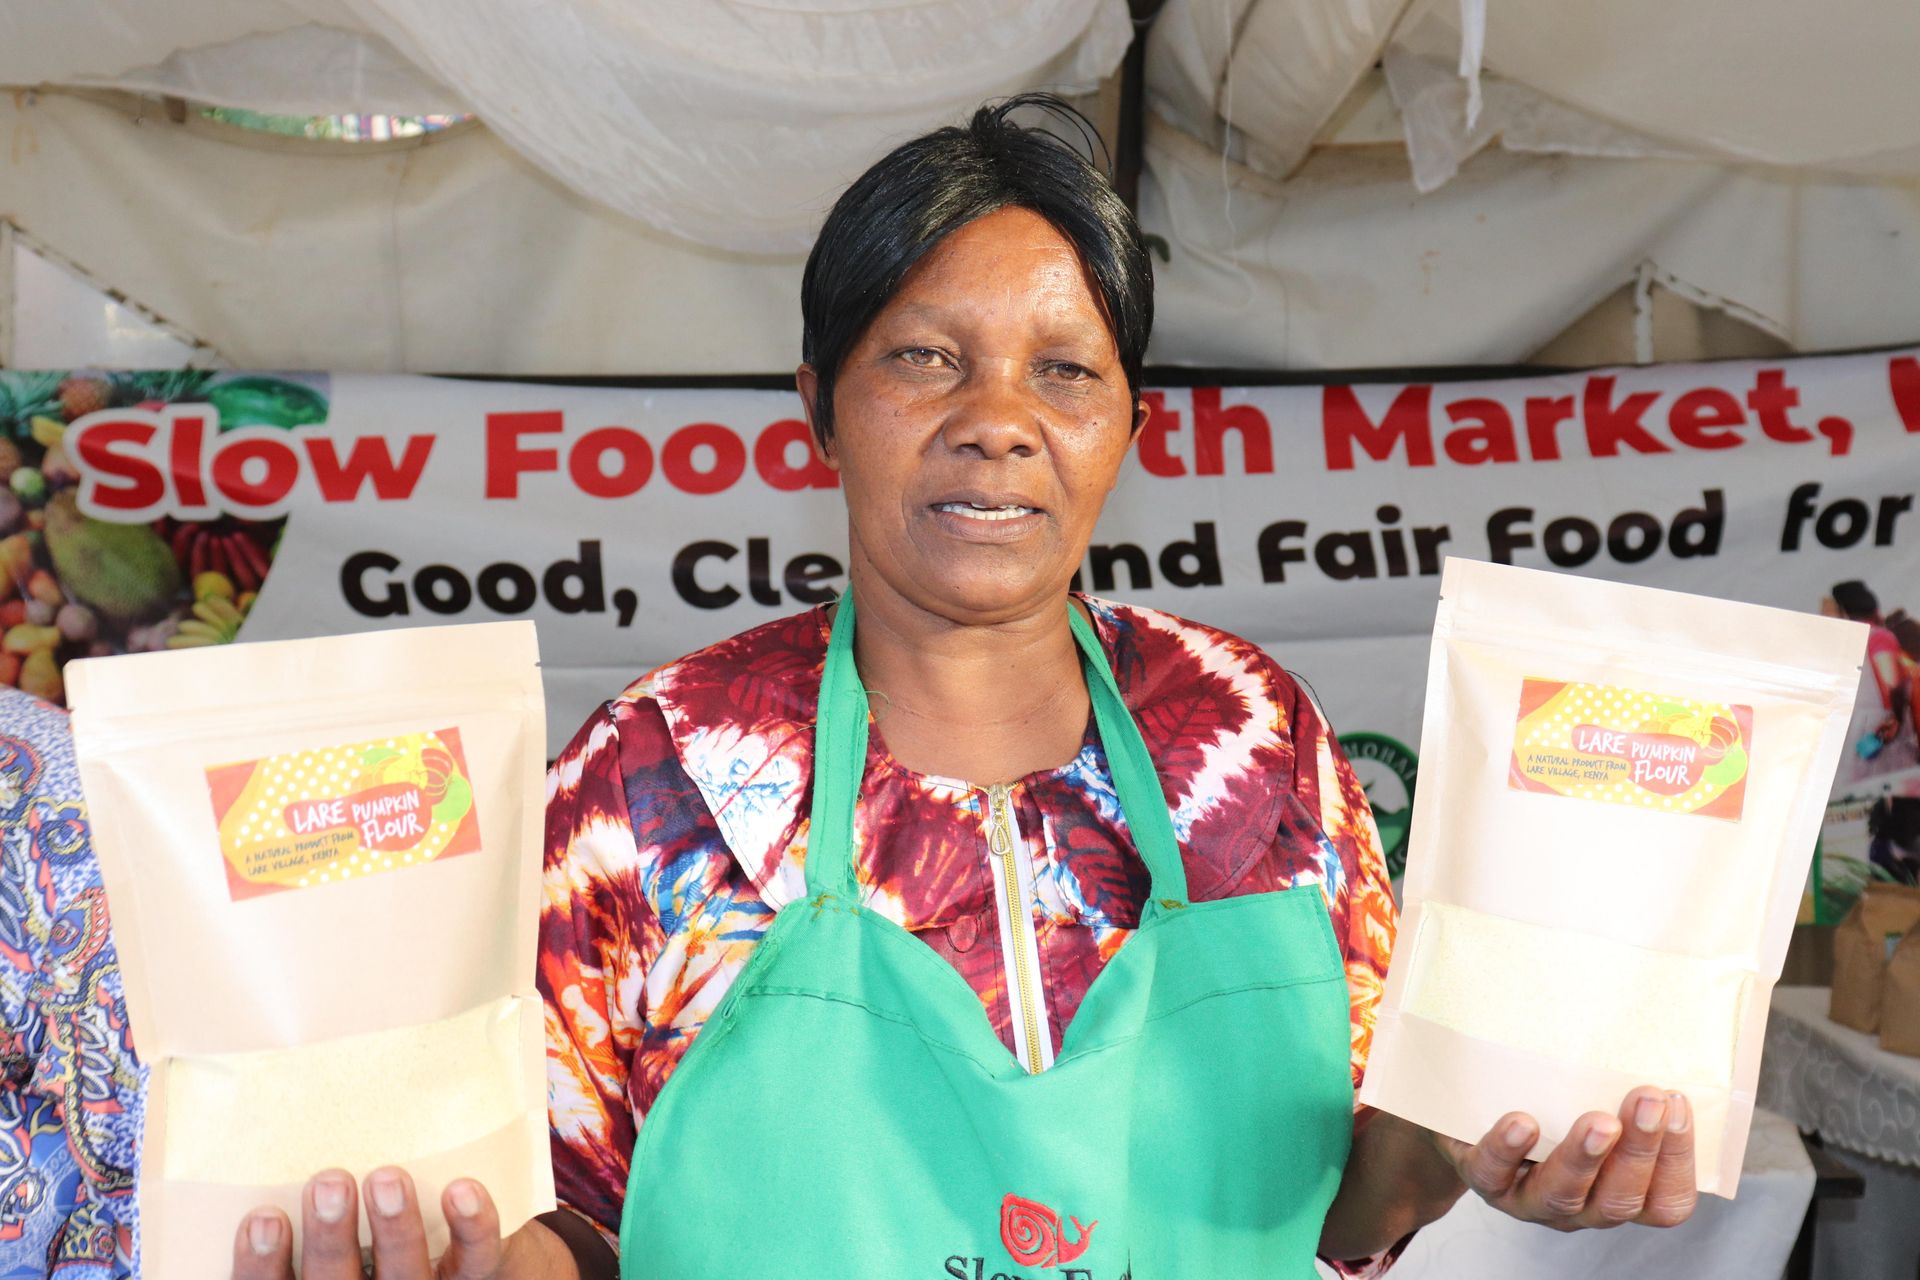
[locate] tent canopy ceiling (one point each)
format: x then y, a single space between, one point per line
729 124
641 190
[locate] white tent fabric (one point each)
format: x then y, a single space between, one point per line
1345 266
446 254
727 122
306 70
453 254
1772 82
1259 79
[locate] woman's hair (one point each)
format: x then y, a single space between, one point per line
922 190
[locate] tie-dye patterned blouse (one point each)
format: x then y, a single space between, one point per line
677 820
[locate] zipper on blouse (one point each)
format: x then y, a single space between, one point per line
1013 872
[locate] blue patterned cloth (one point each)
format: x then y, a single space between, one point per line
70 1087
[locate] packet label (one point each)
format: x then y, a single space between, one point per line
334 813
1627 746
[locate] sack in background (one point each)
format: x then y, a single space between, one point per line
1900 1008
323 863
1620 789
1862 944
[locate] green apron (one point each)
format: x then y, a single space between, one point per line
848 1112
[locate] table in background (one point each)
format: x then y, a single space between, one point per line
1863 1102
1744 1239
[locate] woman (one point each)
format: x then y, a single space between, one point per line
1130 837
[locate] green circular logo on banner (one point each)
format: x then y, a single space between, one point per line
1387 770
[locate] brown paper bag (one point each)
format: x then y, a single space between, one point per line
1619 794
1900 1001
1862 944
323 859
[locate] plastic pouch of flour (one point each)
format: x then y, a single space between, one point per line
322 860
1620 790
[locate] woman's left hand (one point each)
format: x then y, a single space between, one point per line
1633 1167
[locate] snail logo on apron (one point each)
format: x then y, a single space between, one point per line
1033 1237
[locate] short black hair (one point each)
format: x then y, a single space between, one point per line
1855 599
924 189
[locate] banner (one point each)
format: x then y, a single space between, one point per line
145 511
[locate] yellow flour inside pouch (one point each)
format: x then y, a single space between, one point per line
280 1115
1660 1017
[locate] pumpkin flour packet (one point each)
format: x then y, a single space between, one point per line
322 861
1619 794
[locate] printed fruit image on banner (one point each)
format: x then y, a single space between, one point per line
1627 746
308 818
72 586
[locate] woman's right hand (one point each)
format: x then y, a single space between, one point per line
330 1236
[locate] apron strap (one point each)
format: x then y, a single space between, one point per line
840 756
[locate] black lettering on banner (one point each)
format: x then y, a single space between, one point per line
1343 556
507 588
1629 538
576 586
1633 536
353 585
805 575
1696 530
1506 533
1843 522
1348 554
1134 557
1194 563
760 572
1570 541
1391 541
443 589
1275 554
687 562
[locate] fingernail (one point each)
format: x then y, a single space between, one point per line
1650 1115
1679 1113
389 1197
330 1199
1600 1137
263 1233
1518 1136
466 1199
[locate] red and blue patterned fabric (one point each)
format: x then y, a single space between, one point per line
70 1086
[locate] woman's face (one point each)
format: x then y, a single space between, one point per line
980 423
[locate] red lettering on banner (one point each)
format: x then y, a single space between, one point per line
1700 419
585 458
507 461
1489 438
1770 399
729 458
1611 425
775 446
1161 424
1345 424
1211 422
97 450
369 461
1544 416
189 439
271 480
1903 380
